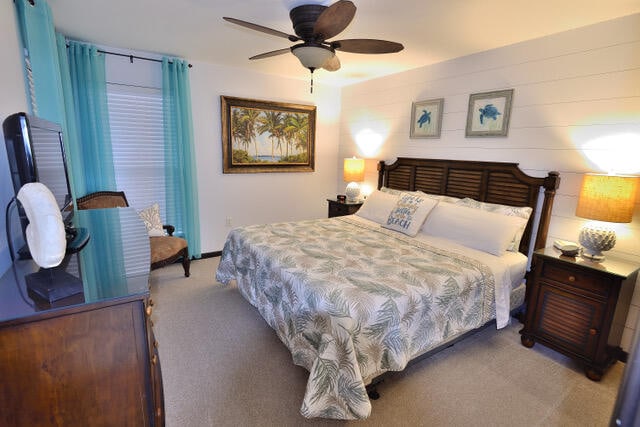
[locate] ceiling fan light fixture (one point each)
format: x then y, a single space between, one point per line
312 57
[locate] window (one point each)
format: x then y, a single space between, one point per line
137 135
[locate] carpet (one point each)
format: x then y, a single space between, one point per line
222 365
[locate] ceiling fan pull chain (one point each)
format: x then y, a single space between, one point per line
311 80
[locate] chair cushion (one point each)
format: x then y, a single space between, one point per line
165 247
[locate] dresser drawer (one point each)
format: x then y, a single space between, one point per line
579 279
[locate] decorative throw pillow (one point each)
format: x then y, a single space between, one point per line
377 206
523 212
409 213
473 228
151 218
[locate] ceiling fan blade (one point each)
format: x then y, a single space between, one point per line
334 19
261 28
366 46
272 53
332 64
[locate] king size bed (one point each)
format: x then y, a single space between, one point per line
438 251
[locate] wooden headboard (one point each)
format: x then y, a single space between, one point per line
492 182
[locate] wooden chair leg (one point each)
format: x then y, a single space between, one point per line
186 262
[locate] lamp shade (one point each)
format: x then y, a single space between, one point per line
312 57
608 198
353 170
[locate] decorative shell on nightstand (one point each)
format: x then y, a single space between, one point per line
596 239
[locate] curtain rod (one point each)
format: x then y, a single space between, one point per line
132 57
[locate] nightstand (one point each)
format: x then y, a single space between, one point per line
578 307
337 208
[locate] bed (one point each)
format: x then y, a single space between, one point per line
356 296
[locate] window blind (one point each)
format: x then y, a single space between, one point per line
137 135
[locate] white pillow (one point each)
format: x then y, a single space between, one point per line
439 197
409 213
523 212
473 228
377 206
151 218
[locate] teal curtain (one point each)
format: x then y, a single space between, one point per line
72 146
102 262
89 100
39 41
68 86
180 165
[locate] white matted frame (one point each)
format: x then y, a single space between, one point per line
489 113
426 118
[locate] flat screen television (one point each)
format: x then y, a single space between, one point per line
35 150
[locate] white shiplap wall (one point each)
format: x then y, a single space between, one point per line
569 88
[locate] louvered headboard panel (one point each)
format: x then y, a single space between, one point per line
493 182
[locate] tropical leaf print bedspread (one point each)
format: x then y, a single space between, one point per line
352 300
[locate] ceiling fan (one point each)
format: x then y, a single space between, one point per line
314 25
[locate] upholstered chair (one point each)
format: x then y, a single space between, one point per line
164 249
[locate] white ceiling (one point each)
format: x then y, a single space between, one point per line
431 30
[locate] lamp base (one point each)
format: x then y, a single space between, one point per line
596 238
353 192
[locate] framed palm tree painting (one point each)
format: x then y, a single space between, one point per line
264 136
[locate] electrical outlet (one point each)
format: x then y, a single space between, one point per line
228 222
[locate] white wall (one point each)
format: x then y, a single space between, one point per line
12 100
265 197
569 88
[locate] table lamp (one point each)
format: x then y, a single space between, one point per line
353 174
604 198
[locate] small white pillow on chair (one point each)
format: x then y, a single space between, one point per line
151 218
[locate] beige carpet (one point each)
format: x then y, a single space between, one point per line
223 366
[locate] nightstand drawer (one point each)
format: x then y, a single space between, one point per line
579 279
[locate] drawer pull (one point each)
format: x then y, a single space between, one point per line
155 344
572 278
151 302
149 310
593 331
154 359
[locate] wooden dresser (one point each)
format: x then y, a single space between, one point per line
579 307
91 358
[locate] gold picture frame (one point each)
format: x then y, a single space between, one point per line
266 136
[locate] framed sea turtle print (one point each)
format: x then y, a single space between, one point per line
426 118
489 113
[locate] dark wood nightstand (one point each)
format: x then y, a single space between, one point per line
578 307
337 208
